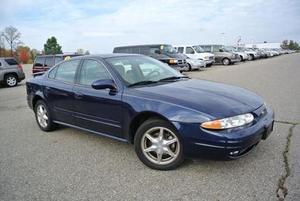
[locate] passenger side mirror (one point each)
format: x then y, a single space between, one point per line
104 84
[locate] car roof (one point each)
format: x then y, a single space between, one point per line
59 55
105 56
146 45
7 58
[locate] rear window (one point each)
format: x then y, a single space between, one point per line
11 62
39 61
49 61
58 59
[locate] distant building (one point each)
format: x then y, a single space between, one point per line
263 45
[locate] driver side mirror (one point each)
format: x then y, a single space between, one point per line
104 84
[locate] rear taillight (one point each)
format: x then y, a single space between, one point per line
20 67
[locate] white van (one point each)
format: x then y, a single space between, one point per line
196 52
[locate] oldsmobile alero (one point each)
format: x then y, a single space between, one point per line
139 100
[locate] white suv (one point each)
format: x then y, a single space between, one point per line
196 52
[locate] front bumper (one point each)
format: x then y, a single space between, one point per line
226 144
21 76
180 67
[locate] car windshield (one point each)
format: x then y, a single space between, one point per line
198 49
167 49
144 70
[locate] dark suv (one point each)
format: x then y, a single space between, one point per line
162 52
43 63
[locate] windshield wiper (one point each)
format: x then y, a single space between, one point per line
172 78
144 82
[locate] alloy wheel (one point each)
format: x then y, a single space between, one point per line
42 116
160 145
11 81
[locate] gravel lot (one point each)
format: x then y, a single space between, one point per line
68 164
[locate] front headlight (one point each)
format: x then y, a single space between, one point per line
173 61
230 122
206 57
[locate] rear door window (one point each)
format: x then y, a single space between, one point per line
66 71
49 61
11 62
39 61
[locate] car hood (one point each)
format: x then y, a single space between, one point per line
206 54
214 99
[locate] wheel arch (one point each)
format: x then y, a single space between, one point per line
36 98
11 73
139 119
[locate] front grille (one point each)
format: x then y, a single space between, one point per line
181 61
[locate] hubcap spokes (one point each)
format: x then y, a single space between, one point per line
42 116
11 81
160 145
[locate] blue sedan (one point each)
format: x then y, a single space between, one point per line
136 99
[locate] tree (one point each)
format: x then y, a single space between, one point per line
2 45
284 44
52 47
80 51
12 37
23 53
87 52
33 53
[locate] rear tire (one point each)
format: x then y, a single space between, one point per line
43 116
158 145
11 80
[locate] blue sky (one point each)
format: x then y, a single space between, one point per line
99 25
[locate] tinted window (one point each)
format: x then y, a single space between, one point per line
49 61
144 50
180 50
91 71
39 61
57 59
189 50
66 71
0 64
11 61
153 49
206 48
52 73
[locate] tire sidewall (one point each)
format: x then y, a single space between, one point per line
139 136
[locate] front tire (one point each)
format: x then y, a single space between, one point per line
251 57
225 61
11 80
43 117
158 145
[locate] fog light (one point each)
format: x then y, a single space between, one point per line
234 153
